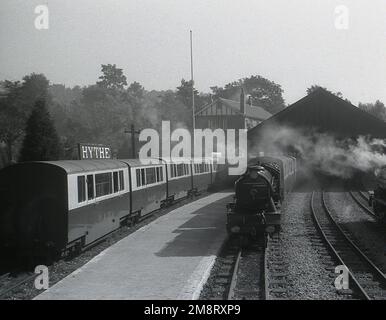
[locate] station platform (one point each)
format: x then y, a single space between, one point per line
170 258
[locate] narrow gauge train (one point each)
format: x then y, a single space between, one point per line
259 193
51 208
377 199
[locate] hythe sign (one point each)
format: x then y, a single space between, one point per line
93 151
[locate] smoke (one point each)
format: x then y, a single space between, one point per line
323 152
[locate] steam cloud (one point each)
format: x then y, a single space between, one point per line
321 151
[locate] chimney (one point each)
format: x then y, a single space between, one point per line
242 101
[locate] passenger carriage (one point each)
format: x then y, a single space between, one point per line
179 175
148 187
62 204
51 207
203 173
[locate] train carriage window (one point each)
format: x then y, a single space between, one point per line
180 169
81 189
143 181
157 174
150 175
161 173
103 184
115 181
90 186
138 176
121 180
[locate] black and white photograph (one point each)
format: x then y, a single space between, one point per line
192 155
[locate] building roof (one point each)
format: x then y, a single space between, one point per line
253 112
325 112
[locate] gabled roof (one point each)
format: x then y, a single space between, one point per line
253 112
326 112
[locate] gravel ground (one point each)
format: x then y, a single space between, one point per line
62 268
307 276
368 235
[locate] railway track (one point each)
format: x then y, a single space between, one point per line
366 281
248 276
14 283
239 273
259 272
362 199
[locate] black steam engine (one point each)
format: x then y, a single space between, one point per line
377 198
259 193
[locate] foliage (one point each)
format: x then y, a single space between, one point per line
112 77
41 141
264 93
377 109
16 105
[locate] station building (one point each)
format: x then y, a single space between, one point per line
229 114
326 113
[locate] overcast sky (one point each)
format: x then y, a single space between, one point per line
294 43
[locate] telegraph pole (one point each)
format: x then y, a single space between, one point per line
133 132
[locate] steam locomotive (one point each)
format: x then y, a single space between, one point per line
377 199
259 194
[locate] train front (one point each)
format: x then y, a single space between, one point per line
250 214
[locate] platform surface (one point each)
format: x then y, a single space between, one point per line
170 258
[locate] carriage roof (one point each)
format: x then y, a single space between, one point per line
76 166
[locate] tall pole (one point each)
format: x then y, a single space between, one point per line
134 155
192 79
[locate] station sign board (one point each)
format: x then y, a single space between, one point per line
87 151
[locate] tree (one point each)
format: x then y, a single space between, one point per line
377 109
41 141
264 93
136 90
112 77
184 93
316 87
15 106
